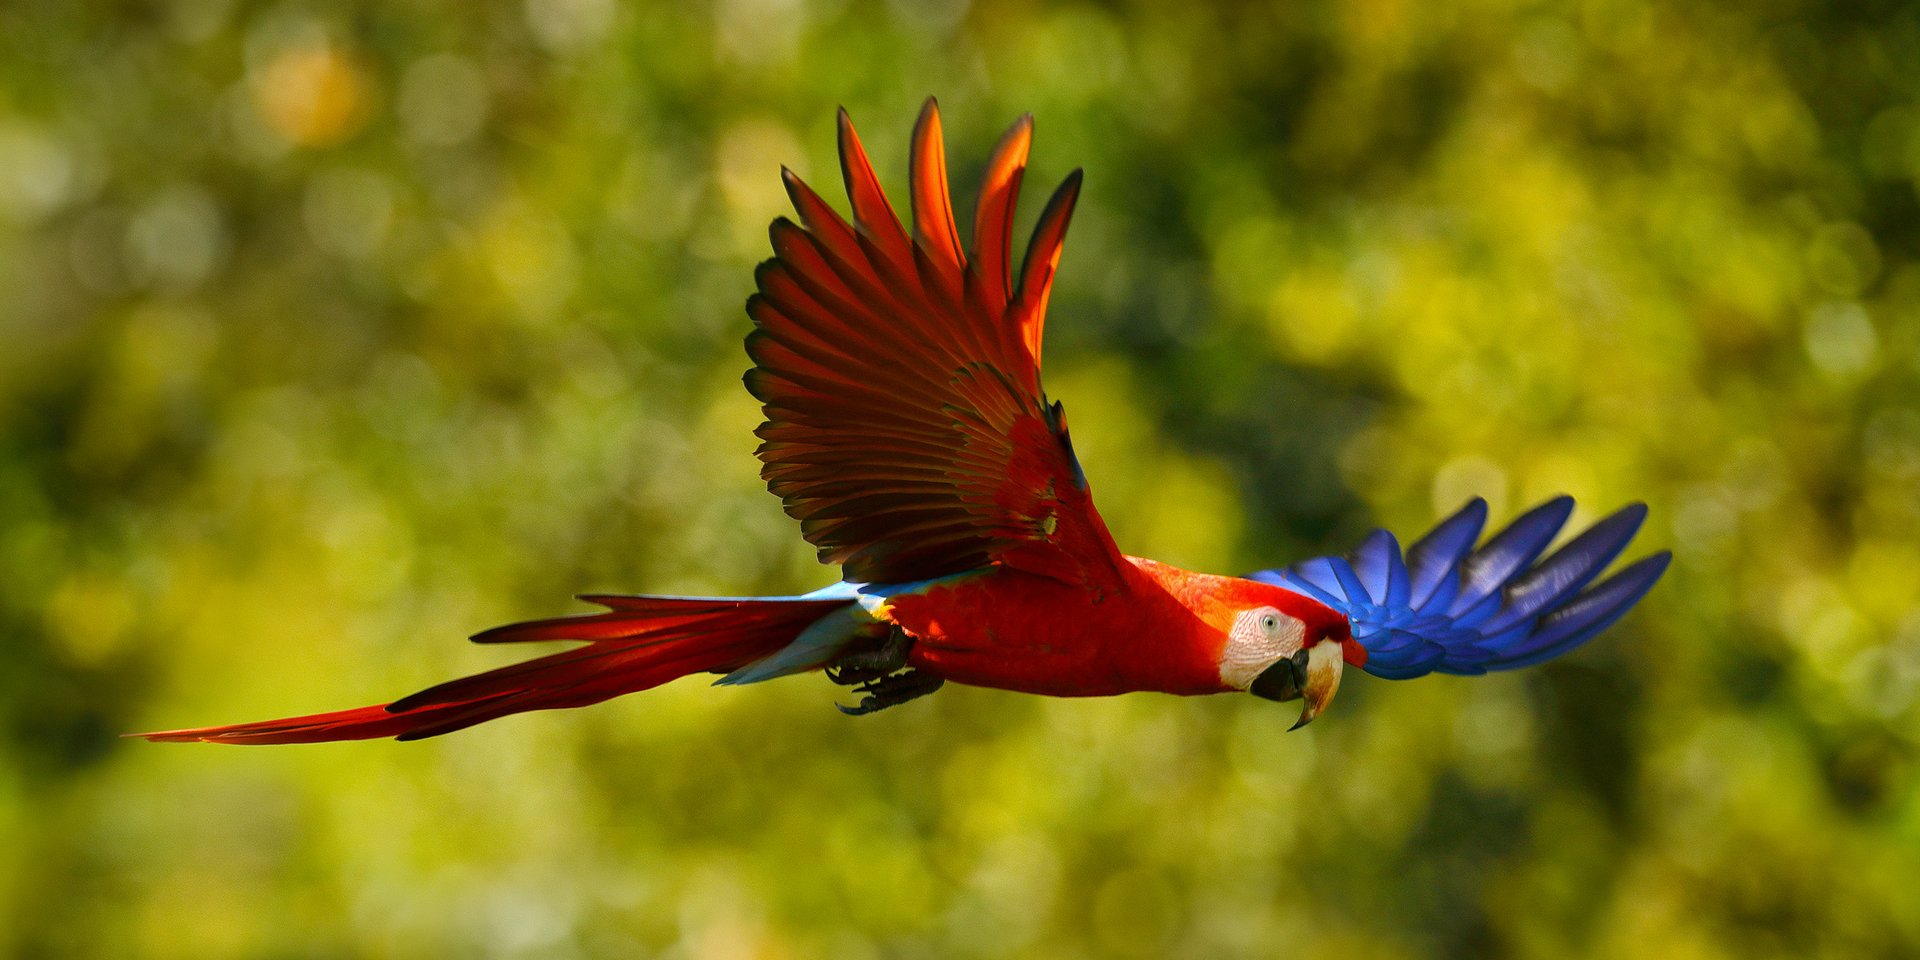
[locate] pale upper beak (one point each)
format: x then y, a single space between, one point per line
1311 674
1324 664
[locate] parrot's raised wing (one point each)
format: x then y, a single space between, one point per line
905 424
1446 607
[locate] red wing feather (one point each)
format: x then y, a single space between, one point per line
1043 258
993 214
906 428
933 229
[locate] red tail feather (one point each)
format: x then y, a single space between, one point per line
642 643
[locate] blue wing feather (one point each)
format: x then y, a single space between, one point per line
1509 552
1439 553
1350 585
1570 568
1446 607
1583 619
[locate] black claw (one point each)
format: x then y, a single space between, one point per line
867 705
891 691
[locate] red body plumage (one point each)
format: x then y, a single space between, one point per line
1163 630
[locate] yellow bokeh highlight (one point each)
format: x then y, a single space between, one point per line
312 95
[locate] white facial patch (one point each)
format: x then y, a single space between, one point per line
1260 638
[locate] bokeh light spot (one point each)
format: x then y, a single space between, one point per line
312 95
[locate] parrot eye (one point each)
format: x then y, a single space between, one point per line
1269 623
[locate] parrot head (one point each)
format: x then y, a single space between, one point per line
1288 647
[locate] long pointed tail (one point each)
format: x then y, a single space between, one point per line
639 643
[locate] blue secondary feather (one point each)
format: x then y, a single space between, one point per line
1446 607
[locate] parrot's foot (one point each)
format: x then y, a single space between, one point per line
891 691
879 674
867 666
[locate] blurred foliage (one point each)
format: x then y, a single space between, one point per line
333 332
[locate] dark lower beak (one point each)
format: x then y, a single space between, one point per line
1285 680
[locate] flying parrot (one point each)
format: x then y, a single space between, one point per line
907 431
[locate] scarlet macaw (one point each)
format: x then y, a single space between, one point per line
907 431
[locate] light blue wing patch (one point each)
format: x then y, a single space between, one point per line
816 646
874 596
825 639
842 590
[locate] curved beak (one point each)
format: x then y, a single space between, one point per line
1324 663
1312 675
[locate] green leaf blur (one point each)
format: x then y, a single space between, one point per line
331 333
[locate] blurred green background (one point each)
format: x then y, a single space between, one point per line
334 332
